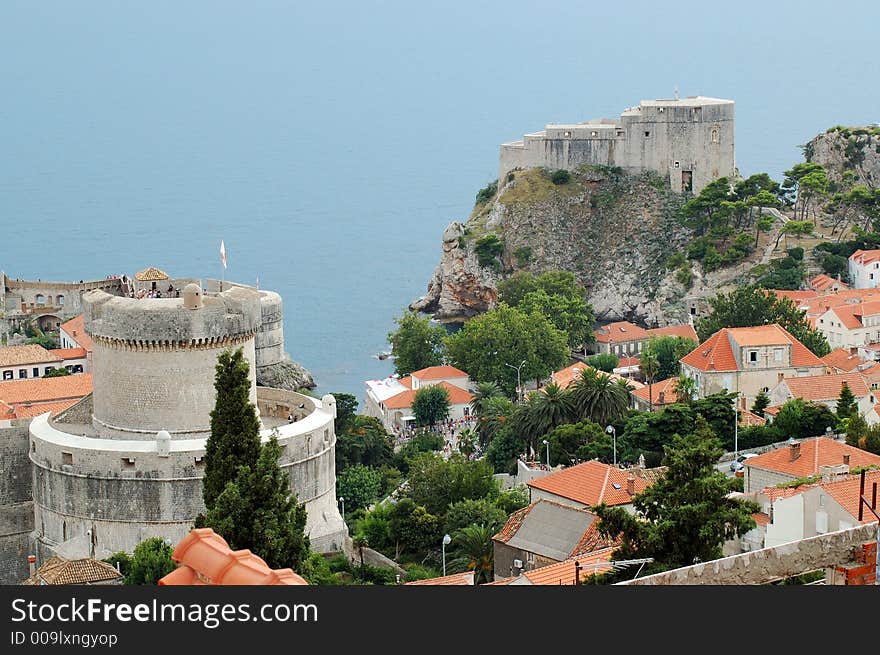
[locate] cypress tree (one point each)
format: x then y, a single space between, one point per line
846 402
762 400
235 429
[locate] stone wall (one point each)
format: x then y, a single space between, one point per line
769 564
16 504
18 292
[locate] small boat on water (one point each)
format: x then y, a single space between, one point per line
384 355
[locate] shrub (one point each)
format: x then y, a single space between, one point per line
796 253
488 248
523 255
487 192
684 276
560 176
674 261
712 260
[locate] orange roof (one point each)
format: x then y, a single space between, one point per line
456 579
653 391
513 524
69 353
750 418
438 373
75 328
27 354
843 360
590 483
865 256
563 573
405 399
824 282
826 387
761 518
593 541
407 381
716 353
6 412
37 390
59 571
620 331
55 408
686 331
151 274
772 410
846 492
815 452
204 557
564 377
797 297
626 362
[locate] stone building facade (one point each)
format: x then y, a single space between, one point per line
688 141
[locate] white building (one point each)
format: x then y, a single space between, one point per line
33 361
864 269
825 390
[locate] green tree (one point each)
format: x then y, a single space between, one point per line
605 362
650 365
474 512
515 288
150 562
748 306
475 552
570 314
359 485
416 344
484 392
544 411
120 560
687 515
762 401
498 412
414 530
668 350
56 372
846 403
504 449
436 483
346 410
599 397
235 429
363 441
488 343
376 528
856 429
431 405
257 511
800 419
685 388
579 442
467 442
512 499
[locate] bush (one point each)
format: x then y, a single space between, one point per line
488 248
604 362
674 261
712 260
560 177
487 192
684 276
523 255
796 253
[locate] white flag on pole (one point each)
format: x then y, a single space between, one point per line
223 254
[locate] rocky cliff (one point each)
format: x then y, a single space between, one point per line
286 374
614 231
841 149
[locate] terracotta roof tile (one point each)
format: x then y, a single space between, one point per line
815 452
513 524
438 373
456 579
823 282
619 332
210 561
27 354
563 573
405 399
593 540
865 256
686 331
826 387
75 328
54 408
653 391
716 353
60 571
151 274
750 418
564 377
46 389
846 492
590 483
761 519
69 353
843 360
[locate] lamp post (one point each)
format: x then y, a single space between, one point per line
736 426
518 384
446 541
613 431
547 443
342 500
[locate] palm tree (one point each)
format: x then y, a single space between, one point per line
685 388
476 552
551 407
599 397
467 442
497 412
484 392
650 366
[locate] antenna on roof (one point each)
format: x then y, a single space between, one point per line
675 92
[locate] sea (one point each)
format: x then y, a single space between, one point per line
328 144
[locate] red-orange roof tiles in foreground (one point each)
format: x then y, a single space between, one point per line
686 331
438 373
29 411
590 483
651 392
843 360
36 390
816 452
563 573
456 579
69 353
204 557
826 387
619 332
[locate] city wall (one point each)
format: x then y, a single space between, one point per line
16 501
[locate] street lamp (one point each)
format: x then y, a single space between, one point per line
518 384
736 426
547 443
446 541
342 500
611 430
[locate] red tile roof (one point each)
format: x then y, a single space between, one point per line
761 519
843 360
590 483
846 492
513 524
749 418
439 373
26 355
55 408
405 399
75 328
60 571
865 256
685 331
69 353
797 297
626 362
46 389
824 282
456 579
816 452
205 558
563 573
593 541
716 353
564 377
826 387
666 387
619 332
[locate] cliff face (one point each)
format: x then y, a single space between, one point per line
855 149
613 231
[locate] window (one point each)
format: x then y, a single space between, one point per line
7 375
22 373
620 133
777 355
60 301
676 164
41 299
594 133
36 372
647 133
715 138
566 134
67 458
46 370
128 462
753 356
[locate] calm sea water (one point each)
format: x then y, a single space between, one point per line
330 143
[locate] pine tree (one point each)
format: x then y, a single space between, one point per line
846 403
762 400
235 429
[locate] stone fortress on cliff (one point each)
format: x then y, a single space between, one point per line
689 141
126 462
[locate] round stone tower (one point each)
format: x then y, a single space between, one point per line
154 359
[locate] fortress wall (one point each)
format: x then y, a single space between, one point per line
26 291
269 340
16 502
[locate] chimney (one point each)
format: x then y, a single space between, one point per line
846 458
32 564
661 397
794 449
631 485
